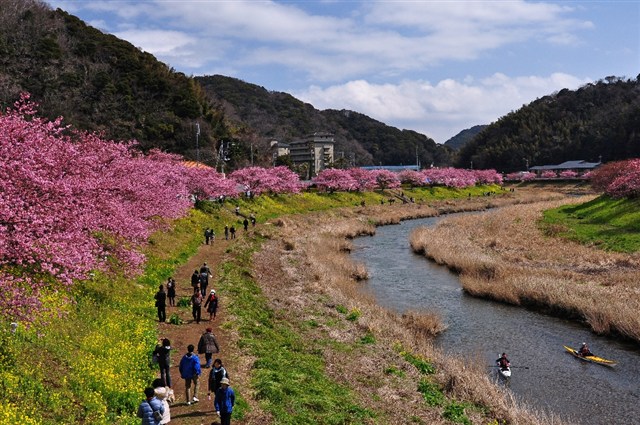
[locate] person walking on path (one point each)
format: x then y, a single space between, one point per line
163 393
162 352
190 371
161 303
245 224
171 291
233 231
252 217
215 376
208 345
196 304
226 232
195 279
211 304
205 273
224 401
207 236
148 408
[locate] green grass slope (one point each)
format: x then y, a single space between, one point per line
611 224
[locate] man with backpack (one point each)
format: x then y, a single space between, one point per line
150 409
190 371
205 273
208 345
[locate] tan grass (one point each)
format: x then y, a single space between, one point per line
503 255
427 324
311 273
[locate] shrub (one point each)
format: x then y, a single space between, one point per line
184 302
353 315
455 413
431 393
174 319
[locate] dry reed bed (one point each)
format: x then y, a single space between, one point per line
503 255
306 271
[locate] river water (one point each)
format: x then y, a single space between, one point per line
479 330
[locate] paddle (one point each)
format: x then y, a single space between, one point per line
517 367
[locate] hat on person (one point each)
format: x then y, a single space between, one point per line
209 329
213 291
224 381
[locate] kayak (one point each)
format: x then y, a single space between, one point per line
505 373
592 359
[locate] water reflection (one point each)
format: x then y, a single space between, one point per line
480 329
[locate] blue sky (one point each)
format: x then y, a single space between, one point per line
436 67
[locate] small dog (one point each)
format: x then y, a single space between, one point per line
171 398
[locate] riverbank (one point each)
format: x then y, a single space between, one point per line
506 256
386 361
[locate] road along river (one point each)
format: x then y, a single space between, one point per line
479 330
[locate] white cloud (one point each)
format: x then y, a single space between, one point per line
157 42
441 110
386 38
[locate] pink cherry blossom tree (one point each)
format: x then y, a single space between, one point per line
487 176
386 179
411 177
626 182
334 179
568 174
365 179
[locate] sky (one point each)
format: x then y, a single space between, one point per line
436 67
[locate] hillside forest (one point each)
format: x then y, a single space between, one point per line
98 82
597 122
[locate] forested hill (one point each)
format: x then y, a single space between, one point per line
99 82
600 120
280 116
461 139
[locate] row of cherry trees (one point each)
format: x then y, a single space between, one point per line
357 179
549 174
72 202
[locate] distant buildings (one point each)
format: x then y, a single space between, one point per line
315 150
579 167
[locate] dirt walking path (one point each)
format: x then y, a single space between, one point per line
189 332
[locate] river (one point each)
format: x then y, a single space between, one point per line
555 381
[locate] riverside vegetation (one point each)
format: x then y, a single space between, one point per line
315 351
549 256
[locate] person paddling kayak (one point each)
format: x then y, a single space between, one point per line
584 350
503 362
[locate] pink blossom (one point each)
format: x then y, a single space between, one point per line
334 179
70 202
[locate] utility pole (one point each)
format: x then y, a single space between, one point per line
197 145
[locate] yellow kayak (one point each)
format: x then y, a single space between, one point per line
593 359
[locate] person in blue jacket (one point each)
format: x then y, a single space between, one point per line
149 406
190 371
224 401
